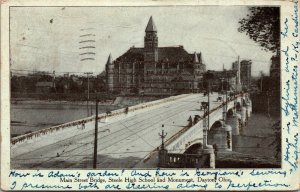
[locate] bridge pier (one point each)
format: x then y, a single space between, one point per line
243 114
233 121
220 136
248 108
162 158
208 149
245 109
199 154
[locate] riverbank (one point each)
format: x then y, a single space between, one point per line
120 100
55 102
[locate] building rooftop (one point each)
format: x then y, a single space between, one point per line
171 54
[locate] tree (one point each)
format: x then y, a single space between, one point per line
277 139
262 25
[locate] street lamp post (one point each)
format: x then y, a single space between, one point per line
222 80
204 106
163 153
208 104
96 137
162 136
208 76
222 89
226 89
235 96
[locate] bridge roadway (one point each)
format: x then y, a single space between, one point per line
122 142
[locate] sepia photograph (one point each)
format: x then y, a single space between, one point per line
145 87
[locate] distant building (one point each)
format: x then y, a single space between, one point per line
223 80
154 70
275 67
245 73
62 84
43 87
275 73
101 81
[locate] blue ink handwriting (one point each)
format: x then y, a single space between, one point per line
189 185
292 149
102 174
250 185
43 186
112 186
295 19
286 27
218 173
163 174
14 173
255 172
59 174
287 62
140 173
146 186
88 186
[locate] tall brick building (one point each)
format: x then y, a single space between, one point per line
275 67
154 70
245 73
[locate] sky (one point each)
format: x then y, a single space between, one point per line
47 38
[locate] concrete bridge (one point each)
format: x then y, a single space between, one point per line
127 140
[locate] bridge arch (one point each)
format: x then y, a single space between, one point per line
194 148
238 106
216 124
199 156
230 113
234 119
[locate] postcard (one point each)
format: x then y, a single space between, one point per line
149 95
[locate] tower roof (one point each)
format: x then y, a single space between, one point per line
196 60
109 60
151 26
200 58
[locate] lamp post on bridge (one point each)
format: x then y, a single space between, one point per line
226 93
96 136
235 96
204 106
163 153
162 136
207 150
222 87
208 76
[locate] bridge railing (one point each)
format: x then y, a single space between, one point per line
187 160
38 133
181 132
186 128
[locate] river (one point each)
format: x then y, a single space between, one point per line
256 137
32 117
